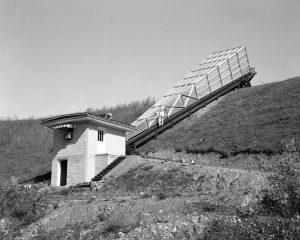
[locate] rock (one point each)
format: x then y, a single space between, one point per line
91 199
195 219
5 226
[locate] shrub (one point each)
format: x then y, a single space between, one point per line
71 231
145 195
283 198
112 228
209 207
65 191
91 199
21 203
101 216
103 212
253 228
127 112
147 168
121 219
161 195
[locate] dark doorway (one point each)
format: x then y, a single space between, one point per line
63 173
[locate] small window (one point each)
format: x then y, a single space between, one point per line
100 135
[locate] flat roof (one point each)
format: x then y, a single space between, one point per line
85 117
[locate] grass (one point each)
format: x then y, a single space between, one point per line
25 145
24 165
121 220
20 206
127 113
151 181
259 119
252 120
255 227
25 148
255 120
270 214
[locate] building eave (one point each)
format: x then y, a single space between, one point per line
85 117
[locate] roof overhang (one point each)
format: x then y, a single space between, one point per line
72 119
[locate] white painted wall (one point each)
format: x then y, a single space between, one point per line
115 142
81 151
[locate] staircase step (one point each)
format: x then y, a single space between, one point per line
100 175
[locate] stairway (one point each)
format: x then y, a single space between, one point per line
100 175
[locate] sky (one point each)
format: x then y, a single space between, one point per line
63 56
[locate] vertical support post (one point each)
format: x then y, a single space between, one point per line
195 89
230 69
182 100
247 60
239 62
208 82
220 75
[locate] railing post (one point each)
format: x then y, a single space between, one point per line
220 75
208 82
230 70
239 62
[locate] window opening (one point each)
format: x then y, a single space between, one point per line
100 135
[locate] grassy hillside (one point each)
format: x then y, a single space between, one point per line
25 145
126 113
24 148
146 198
262 118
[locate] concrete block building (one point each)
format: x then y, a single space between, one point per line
83 145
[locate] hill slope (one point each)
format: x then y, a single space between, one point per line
258 119
25 145
262 118
24 148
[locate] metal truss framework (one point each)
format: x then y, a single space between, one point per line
216 71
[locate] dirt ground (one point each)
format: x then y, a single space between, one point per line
183 212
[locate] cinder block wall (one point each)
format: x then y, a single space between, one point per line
91 150
81 151
74 151
102 161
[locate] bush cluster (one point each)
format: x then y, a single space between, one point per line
127 112
277 215
20 203
283 197
255 227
